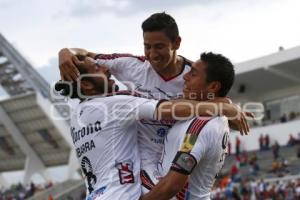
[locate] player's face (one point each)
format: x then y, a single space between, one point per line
159 50
195 85
99 76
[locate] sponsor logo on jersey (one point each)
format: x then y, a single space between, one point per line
97 193
125 169
161 132
84 131
87 170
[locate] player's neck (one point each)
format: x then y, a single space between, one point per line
173 69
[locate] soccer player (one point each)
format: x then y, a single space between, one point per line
104 132
158 75
195 150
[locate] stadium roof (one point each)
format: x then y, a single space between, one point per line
266 74
26 127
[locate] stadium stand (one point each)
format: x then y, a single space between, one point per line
274 82
34 128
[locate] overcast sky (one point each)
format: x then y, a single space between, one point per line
240 30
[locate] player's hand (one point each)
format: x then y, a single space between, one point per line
237 118
67 65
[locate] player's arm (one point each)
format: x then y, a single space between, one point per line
167 187
68 58
184 163
232 125
187 109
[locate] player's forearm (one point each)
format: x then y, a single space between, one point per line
221 100
164 190
187 109
78 52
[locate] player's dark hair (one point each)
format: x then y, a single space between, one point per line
219 68
161 22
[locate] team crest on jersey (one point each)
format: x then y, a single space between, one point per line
125 169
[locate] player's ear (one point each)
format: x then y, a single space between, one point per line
177 43
214 87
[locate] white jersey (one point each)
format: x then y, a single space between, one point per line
138 74
204 140
104 133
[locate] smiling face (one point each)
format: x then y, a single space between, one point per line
209 77
159 50
195 85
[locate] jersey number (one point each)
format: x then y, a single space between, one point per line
88 172
224 153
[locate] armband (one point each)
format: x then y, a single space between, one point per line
184 163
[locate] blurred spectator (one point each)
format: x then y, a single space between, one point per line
261 142
275 150
289 192
253 158
298 139
292 115
49 185
50 197
267 142
237 146
234 173
254 168
19 192
229 148
292 141
275 166
259 190
224 182
244 159
283 118
297 190
235 194
298 152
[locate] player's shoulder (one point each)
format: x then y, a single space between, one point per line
218 121
206 125
193 126
124 56
217 125
121 96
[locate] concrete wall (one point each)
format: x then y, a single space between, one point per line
279 132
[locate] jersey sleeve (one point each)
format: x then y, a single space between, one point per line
146 108
120 65
194 146
131 108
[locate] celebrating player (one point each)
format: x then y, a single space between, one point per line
195 150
